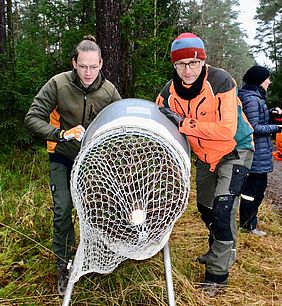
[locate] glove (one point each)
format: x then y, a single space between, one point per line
76 132
171 115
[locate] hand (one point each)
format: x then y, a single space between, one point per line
76 132
173 116
275 115
277 110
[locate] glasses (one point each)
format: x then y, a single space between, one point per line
85 68
192 65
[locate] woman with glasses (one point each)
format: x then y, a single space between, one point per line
202 101
60 113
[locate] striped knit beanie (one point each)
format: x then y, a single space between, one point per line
187 45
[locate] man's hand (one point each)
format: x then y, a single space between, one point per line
76 132
173 116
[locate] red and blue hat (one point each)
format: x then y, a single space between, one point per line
187 45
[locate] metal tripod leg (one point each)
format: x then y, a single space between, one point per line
168 275
67 296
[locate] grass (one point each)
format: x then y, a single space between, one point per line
27 269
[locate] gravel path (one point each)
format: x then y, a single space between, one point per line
274 186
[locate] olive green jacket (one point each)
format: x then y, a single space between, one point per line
63 103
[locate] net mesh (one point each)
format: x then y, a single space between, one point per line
129 187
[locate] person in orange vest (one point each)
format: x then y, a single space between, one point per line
202 102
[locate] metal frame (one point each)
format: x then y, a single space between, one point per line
138 114
168 276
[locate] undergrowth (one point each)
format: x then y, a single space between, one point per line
27 264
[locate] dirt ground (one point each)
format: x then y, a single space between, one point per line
274 186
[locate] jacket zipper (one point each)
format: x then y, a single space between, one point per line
199 106
84 101
205 155
219 108
84 109
188 109
199 141
182 110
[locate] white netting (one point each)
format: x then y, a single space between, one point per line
129 186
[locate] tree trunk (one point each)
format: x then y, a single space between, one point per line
109 39
2 27
10 30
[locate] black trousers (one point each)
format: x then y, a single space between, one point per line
251 198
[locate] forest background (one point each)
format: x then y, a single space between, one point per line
37 38
36 41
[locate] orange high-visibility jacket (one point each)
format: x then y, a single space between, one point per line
219 124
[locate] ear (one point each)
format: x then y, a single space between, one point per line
74 63
203 63
101 63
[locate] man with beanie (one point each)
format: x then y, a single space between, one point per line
253 97
202 101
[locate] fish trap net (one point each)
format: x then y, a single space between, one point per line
129 186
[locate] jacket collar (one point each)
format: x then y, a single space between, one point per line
256 89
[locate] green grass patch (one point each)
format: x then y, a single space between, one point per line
28 274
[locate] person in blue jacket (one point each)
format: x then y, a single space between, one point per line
253 97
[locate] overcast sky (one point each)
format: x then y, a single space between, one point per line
246 17
247 10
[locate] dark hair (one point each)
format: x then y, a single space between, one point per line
87 44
